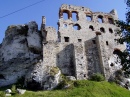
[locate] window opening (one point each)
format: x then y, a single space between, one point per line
66 39
110 30
79 40
117 52
106 42
110 20
94 42
77 27
100 19
65 15
91 28
65 25
74 16
102 29
84 75
89 18
111 64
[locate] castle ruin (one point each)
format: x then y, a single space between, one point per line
81 47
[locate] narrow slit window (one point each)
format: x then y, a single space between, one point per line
106 42
94 42
110 30
66 39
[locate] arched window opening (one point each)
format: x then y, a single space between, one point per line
110 20
100 19
77 27
91 28
88 18
65 14
74 16
102 29
110 30
117 52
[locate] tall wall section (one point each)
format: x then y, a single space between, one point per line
84 43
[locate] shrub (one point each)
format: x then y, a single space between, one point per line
13 88
64 82
97 77
54 70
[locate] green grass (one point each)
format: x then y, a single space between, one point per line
83 89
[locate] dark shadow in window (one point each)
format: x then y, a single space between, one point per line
66 39
79 40
94 42
110 20
110 30
102 29
91 28
106 42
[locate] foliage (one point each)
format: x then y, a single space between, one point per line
64 82
54 70
82 88
13 88
124 34
97 77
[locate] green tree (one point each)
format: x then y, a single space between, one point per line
124 34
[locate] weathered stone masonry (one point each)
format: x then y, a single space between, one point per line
84 46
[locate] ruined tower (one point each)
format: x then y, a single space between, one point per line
84 44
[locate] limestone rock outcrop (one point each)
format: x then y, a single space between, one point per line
21 47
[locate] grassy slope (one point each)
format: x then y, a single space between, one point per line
83 89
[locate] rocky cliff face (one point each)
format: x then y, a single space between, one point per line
21 55
20 49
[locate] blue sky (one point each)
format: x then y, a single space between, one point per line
50 9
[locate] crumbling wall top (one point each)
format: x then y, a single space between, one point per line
74 8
